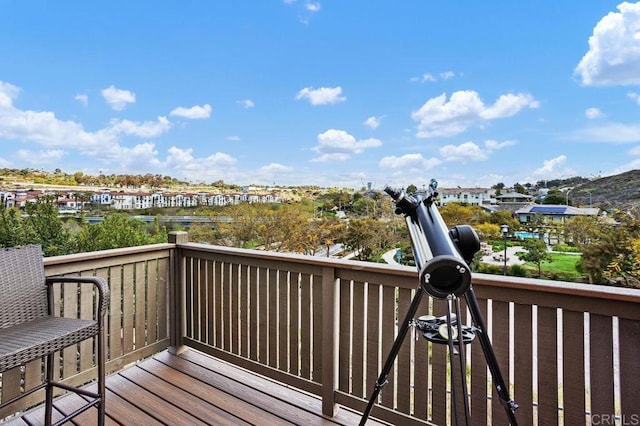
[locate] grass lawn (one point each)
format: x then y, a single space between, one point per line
562 262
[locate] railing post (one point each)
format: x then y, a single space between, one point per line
330 339
176 296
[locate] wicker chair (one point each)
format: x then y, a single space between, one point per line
29 330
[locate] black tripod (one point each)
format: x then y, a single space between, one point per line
442 257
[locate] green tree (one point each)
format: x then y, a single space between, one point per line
458 214
366 237
411 189
12 230
115 231
520 189
330 230
536 252
43 226
366 206
488 231
504 217
580 230
554 196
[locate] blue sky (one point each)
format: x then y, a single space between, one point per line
327 92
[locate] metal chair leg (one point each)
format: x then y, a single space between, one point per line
101 374
48 408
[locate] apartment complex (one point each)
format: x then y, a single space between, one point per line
71 201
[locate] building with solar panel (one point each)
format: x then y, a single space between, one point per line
553 213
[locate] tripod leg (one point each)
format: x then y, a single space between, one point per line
402 332
463 364
452 353
490 356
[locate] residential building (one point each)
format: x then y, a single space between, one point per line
553 212
470 196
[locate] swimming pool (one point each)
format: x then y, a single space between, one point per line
525 234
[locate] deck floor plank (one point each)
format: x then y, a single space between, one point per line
70 402
229 375
212 395
269 402
168 393
151 404
195 389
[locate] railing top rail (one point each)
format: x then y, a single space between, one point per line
93 255
305 259
601 292
559 287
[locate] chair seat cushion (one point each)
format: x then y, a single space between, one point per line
34 339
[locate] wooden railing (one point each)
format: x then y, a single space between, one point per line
137 320
569 351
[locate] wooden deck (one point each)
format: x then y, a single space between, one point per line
195 389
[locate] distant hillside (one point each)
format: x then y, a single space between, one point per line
620 191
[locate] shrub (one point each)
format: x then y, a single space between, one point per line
519 271
566 248
487 268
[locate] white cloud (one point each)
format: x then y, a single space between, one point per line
338 145
493 145
331 157
373 122
247 103
104 147
426 77
509 105
554 168
609 132
51 157
409 162
430 78
463 153
613 57
139 157
118 98
322 96
634 96
470 152
441 118
147 129
593 113
8 92
82 98
632 165
195 112
44 128
183 159
635 151
305 9
275 168
233 138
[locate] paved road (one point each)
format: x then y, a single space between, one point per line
512 259
390 257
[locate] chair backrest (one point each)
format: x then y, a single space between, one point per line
23 294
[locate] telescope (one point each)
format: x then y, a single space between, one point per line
443 257
443 254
